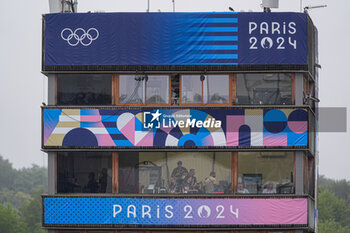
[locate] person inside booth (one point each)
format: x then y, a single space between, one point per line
190 182
210 183
270 188
179 173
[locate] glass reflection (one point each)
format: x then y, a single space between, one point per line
84 89
265 172
175 172
264 89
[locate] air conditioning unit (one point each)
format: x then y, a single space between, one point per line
270 3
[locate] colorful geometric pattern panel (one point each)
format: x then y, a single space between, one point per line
175 127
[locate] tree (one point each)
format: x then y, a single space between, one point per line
13 198
331 226
331 208
32 212
6 174
10 221
29 179
340 188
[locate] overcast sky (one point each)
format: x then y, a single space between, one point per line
23 87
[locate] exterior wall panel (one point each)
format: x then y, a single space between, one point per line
206 128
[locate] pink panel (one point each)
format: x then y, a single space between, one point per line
104 140
129 130
275 140
298 126
90 118
232 129
146 140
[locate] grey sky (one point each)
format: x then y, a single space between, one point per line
22 86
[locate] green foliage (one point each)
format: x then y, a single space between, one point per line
16 199
341 188
29 179
25 180
6 174
31 212
332 226
20 200
333 206
10 222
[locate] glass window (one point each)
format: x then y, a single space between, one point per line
175 172
265 89
84 172
215 89
265 172
191 89
84 89
131 89
157 89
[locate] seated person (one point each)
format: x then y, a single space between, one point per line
92 186
241 189
103 180
190 181
209 183
270 188
173 188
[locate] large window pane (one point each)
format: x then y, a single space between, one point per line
84 172
175 172
216 89
265 172
191 89
131 89
157 89
264 89
84 89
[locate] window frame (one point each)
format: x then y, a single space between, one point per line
117 85
234 98
115 174
232 89
235 173
113 87
230 83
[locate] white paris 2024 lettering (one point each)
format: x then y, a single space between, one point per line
284 30
202 211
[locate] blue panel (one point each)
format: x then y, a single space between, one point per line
172 38
107 211
277 38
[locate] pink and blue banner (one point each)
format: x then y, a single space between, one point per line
175 128
107 211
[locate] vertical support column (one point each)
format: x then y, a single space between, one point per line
115 172
51 89
299 83
234 171
51 167
234 89
299 172
299 155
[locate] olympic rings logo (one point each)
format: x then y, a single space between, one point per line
79 35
